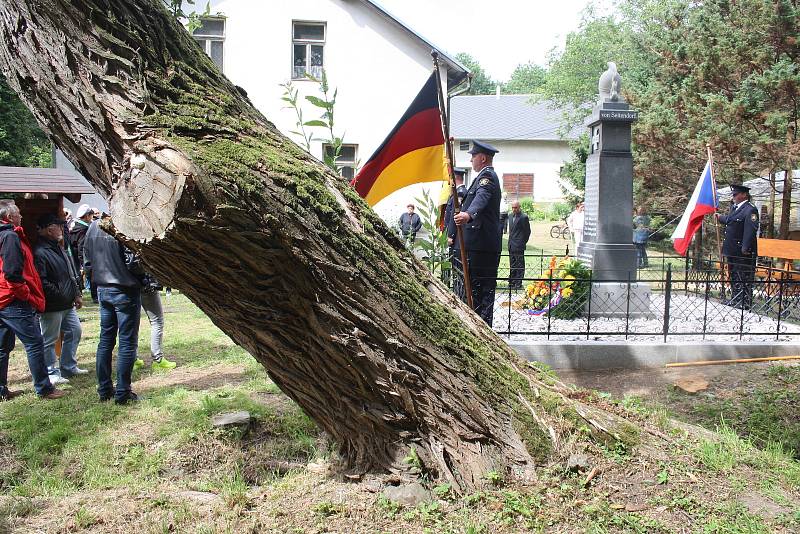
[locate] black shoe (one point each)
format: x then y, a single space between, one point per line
7 395
106 398
130 398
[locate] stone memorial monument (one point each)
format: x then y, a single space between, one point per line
607 246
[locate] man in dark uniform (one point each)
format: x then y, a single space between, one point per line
519 231
479 219
740 246
452 235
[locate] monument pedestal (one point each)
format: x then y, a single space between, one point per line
618 299
607 245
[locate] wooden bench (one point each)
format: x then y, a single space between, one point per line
776 263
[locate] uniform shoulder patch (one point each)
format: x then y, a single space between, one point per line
753 217
485 181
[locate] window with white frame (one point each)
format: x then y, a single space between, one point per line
347 159
211 38
308 47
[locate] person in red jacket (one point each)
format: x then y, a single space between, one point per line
21 299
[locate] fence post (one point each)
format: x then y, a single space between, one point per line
549 299
705 305
780 307
741 317
667 297
686 276
628 307
509 299
589 309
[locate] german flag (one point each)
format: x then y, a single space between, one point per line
414 151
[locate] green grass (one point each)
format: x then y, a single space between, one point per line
728 451
77 443
767 415
59 458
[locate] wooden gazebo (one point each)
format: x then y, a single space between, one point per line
38 191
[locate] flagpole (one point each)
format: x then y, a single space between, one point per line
722 266
453 191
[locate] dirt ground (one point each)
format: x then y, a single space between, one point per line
759 401
658 383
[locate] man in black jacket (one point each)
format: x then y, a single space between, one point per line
519 231
118 291
62 293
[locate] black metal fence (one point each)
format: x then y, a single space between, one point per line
671 299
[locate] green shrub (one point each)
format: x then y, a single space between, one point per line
556 211
526 205
559 211
534 213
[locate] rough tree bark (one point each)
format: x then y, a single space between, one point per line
771 207
279 252
786 204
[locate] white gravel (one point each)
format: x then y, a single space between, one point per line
722 323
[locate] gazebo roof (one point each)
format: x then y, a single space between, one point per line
41 180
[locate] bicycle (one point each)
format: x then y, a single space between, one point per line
561 231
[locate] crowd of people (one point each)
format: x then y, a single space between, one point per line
42 288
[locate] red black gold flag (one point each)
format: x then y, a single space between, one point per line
414 151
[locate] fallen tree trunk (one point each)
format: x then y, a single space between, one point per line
279 252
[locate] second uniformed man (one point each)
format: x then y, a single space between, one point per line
452 236
480 221
740 246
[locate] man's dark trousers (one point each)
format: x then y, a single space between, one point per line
120 310
742 271
20 319
517 264
483 277
457 273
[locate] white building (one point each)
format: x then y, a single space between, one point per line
375 62
528 136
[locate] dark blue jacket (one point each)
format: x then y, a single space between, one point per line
482 202
741 231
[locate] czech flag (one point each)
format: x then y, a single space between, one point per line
703 201
414 151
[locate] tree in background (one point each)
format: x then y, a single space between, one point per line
570 83
22 142
527 78
724 73
572 73
482 83
573 172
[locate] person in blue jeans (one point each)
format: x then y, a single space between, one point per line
21 299
62 292
641 233
118 292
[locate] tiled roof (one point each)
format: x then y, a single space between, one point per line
40 180
456 72
506 117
